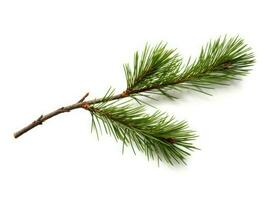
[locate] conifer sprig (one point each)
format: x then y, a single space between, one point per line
160 70
219 62
158 135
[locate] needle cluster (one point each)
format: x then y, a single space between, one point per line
158 135
160 70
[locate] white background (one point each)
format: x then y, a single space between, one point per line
52 52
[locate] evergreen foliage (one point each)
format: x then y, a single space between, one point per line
158 135
159 70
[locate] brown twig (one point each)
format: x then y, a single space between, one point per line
80 104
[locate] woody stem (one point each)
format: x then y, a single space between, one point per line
80 104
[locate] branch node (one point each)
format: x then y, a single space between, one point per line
39 120
125 93
85 105
170 140
227 65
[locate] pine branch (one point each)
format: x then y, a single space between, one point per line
160 70
158 135
219 62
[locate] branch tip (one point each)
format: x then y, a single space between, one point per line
83 98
